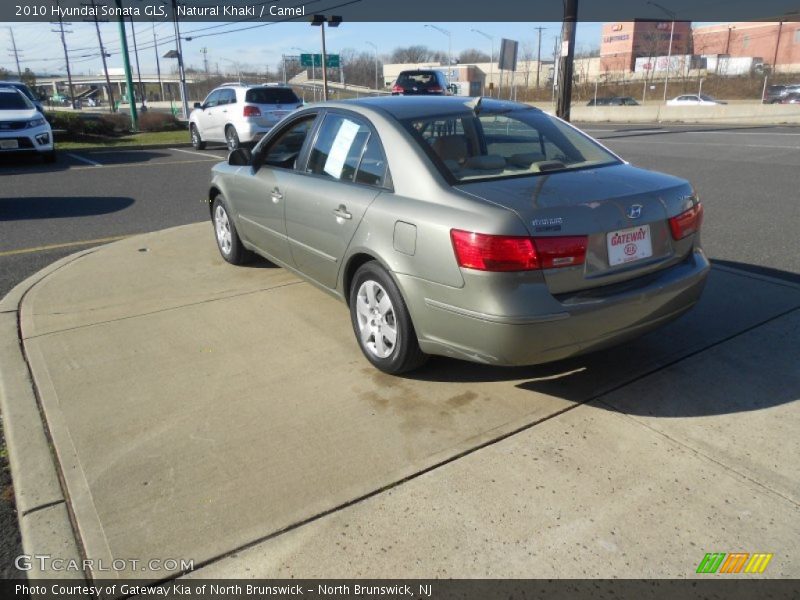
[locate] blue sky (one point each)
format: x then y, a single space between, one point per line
40 48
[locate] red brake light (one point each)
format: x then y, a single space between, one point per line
252 111
516 253
561 251
687 223
397 89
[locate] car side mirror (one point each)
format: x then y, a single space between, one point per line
240 157
198 105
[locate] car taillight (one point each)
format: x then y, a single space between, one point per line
516 253
396 89
687 223
252 111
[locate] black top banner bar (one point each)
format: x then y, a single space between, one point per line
399 11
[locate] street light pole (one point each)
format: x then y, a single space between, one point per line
491 63
319 21
179 49
672 17
376 63
449 47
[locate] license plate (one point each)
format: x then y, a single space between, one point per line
628 245
8 144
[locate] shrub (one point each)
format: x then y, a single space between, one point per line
116 122
155 121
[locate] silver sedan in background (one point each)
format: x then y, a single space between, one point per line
478 229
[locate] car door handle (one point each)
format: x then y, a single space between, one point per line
276 195
342 213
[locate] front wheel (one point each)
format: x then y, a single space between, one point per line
381 321
197 141
228 242
231 138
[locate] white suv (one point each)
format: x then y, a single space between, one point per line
238 113
22 127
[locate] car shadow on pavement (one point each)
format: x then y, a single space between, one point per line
56 207
122 157
14 164
748 355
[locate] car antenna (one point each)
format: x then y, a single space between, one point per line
475 105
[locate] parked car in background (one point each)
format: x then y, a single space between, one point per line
239 113
23 127
792 98
776 93
613 101
694 100
483 230
421 82
25 90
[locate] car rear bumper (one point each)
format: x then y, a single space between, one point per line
563 326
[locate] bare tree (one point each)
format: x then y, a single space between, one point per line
473 55
411 54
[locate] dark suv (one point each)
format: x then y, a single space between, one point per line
420 82
776 93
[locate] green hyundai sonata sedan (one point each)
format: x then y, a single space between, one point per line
473 228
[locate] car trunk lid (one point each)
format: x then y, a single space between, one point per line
623 211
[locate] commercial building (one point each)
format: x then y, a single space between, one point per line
622 43
777 44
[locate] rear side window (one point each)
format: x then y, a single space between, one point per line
346 149
271 96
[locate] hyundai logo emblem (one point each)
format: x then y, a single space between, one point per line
634 211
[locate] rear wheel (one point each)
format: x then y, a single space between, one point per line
197 141
381 322
228 242
231 138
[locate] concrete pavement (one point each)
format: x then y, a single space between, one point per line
224 415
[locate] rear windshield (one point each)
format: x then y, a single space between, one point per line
14 101
505 144
423 79
271 96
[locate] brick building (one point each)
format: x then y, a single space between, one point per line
777 44
622 43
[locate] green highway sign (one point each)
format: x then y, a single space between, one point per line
315 60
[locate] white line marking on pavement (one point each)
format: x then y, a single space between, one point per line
213 157
741 132
85 160
625 139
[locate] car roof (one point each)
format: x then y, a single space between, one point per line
410 107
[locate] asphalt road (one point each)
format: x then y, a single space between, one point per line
746 177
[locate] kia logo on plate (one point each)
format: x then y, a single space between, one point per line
634 211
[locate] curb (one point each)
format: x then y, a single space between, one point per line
125 148
42 507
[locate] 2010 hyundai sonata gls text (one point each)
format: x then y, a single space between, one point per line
483 230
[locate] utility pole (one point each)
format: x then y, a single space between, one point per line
105 64
66 55
538 55
320 21
204 52
158 63
376 64
567 55
16 53
179 49
126 62
136 54
491 58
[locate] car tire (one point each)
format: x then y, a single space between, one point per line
228 242
197 141
381 322
231 138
